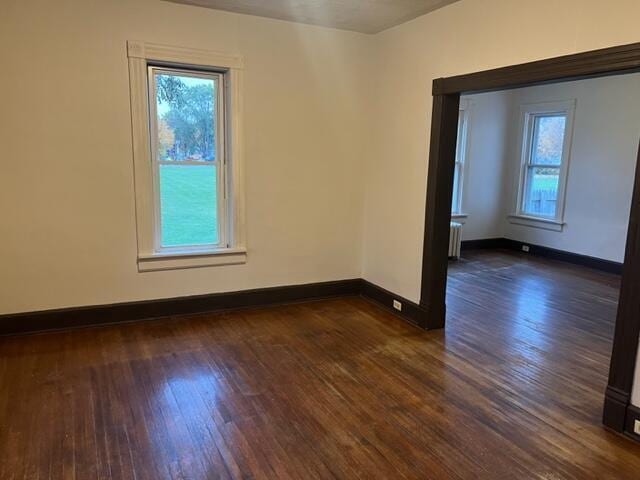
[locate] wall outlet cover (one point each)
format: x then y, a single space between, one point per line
397 305
525 248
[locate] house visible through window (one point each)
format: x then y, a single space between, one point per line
458 173
545 154
187 151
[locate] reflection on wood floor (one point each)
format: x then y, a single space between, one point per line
339 388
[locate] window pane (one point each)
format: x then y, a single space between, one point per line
460 146
188 213
456 195
548 138
541 192
185 117
186 150
460 140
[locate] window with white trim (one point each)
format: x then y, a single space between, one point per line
187 150
546 144
461 148
185 114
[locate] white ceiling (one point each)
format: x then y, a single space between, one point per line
366 16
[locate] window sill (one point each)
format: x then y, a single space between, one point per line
191 259
537 222
459 217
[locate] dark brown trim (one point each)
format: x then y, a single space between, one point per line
615 408
77 317
132 311
438 214
606 61
625 339
412 312
446 92
546 252
482 244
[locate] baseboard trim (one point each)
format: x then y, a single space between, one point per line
615 409
484 243
88 316
411 311
31 322
547 252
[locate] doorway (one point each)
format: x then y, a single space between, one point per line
618 411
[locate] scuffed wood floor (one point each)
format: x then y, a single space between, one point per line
339 388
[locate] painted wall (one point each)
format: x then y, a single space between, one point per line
488 130
604 151
602 164
464 37
68 232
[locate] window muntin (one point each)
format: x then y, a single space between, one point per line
458 173
545 156
187 148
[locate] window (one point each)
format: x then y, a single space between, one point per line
185 114
545 156
461 148
187 147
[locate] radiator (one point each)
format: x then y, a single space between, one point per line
455 237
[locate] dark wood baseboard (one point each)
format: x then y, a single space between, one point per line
484 243
411 311
615 409
561 255
30 322
75 317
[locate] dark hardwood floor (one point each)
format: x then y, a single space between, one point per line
339 388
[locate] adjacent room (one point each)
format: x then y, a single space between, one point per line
542 190
319 239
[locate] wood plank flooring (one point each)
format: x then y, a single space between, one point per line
339 388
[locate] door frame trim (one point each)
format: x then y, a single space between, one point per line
446 97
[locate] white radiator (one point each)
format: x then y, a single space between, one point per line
455 238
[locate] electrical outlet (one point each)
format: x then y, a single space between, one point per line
636 427
397 305
525 248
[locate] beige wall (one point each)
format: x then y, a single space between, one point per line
463 37
489 125
67 233
336 124
604 149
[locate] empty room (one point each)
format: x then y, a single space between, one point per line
542 192
320 239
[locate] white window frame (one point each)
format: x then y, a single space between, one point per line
460 166
528 114
231 248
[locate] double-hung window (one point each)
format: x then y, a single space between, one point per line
546 144
187 150
461 149
185 109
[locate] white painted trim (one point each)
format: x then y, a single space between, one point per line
464 113
527 112
459 218
536 222
182 55
140 55
192 259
